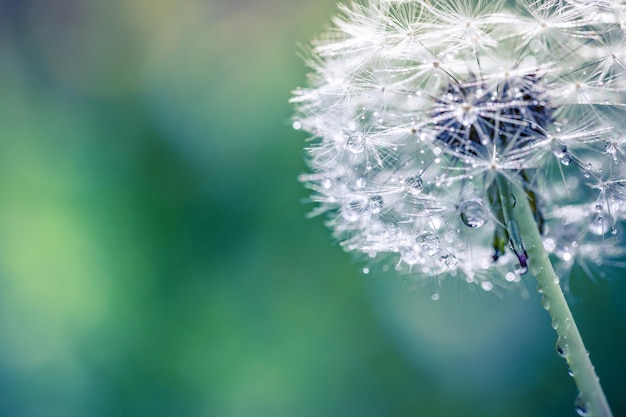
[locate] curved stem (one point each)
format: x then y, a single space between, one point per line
519 218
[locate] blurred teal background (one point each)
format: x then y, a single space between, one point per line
155 259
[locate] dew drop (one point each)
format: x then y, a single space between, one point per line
434 296
566 159
582 406
449 260
366 270
545 302
473 213
376 204
355 210
570 372
539 289
413 185
555 324
562 346
429 242
613 230
360 183
355 143
466 114
486 285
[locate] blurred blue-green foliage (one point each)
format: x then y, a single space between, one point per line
155 259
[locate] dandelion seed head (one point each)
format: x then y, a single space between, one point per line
414 107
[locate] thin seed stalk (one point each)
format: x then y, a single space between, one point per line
519 218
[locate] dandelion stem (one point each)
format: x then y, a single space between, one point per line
518 215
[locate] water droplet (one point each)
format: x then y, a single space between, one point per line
434 296
467 114
376 204
613 230
599 208
555 324
566 159
413 185
449 260
545 302
355 143
429 242
570 372
539 289
486 285
356 209
562 346
473 213
366 270
582 406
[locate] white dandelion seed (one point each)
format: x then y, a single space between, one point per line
440 130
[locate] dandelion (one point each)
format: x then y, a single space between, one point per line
472 139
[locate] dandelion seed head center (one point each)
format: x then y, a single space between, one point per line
471 117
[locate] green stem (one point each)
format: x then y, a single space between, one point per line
518 216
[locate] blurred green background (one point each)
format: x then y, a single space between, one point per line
155 259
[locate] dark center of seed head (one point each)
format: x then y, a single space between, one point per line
472 118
